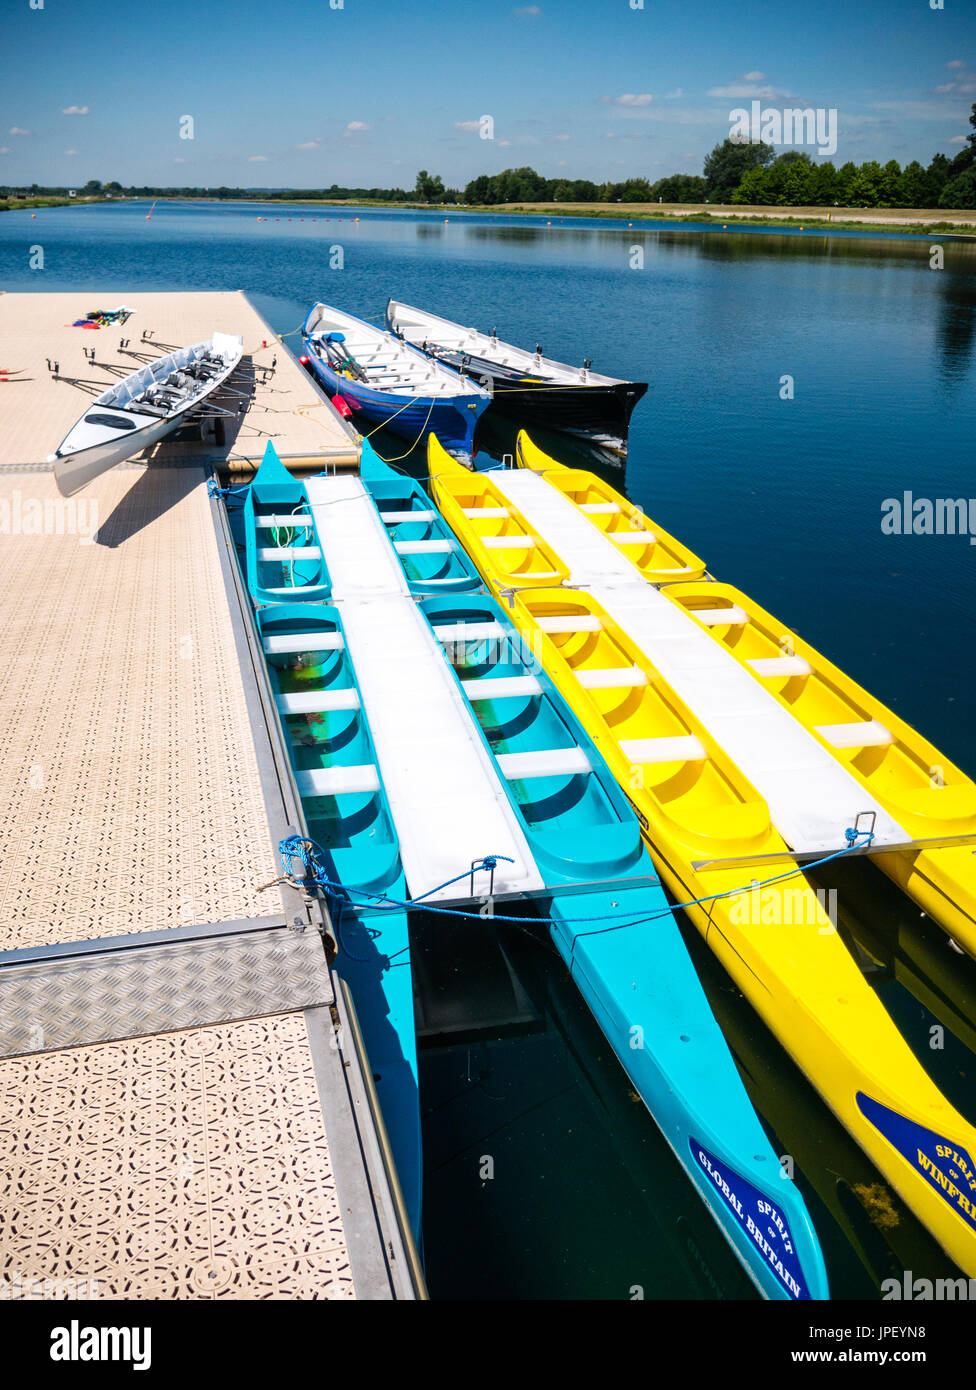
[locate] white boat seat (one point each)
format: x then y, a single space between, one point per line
290 552
394 518
433 547
633 537
544 762
612 677
720 617
599 508
317 701
781 666
338 781
866 733
583 622
501 687
301 521
469 632
681 748
282 642
489 513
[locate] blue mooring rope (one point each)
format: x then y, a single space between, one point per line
295 847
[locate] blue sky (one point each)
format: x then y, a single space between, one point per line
296 93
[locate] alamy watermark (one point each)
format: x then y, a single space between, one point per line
792 126
49 516
922 516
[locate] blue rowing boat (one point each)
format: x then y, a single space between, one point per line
387 381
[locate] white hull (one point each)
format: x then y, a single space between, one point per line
114 428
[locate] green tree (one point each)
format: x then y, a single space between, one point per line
913 186
938 177
889 185
728 162
679 188
824 184
93 187
428 188
960 192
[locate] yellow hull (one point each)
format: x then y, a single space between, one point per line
900 768
777 942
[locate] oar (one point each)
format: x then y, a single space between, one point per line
337 341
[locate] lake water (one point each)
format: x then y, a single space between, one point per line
782 497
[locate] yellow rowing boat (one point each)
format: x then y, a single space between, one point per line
701 813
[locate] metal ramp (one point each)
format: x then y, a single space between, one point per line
448 801
812 799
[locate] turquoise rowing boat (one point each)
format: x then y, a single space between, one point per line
348 818
283 558
457 781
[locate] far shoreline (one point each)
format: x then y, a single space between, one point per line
958 222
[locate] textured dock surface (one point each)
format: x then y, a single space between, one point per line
182 1113
36 411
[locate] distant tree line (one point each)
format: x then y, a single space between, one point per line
733 172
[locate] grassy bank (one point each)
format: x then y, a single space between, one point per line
11 204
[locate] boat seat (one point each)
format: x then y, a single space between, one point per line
543 762
509 542
394 518
501 687
682 748
469 632
863 733
781 666
338 781
489 513
633 537
282 642
301 520
599 508
720 617
290 552
581 623
317 701
611 678
432 547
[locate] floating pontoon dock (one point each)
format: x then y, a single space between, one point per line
184 1107
37 410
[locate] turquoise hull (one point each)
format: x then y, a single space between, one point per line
623 948
355 831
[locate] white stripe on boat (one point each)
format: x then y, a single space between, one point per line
501 687
446 795
394 518
612 678
812 798
294 552
780 666
317 701
544 762
867 733
431 547
469 632
682 748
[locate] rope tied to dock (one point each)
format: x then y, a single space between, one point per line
309 852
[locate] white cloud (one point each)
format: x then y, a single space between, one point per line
609 135
560 163
958 140
258 159
753 76
308 145
467 125
177 160
504 144
4 149
528 10
635 99
358 125
71 151
562 137
74 111
946 87
747 89
673 96
18 130
956 63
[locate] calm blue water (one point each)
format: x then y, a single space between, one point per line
781 497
